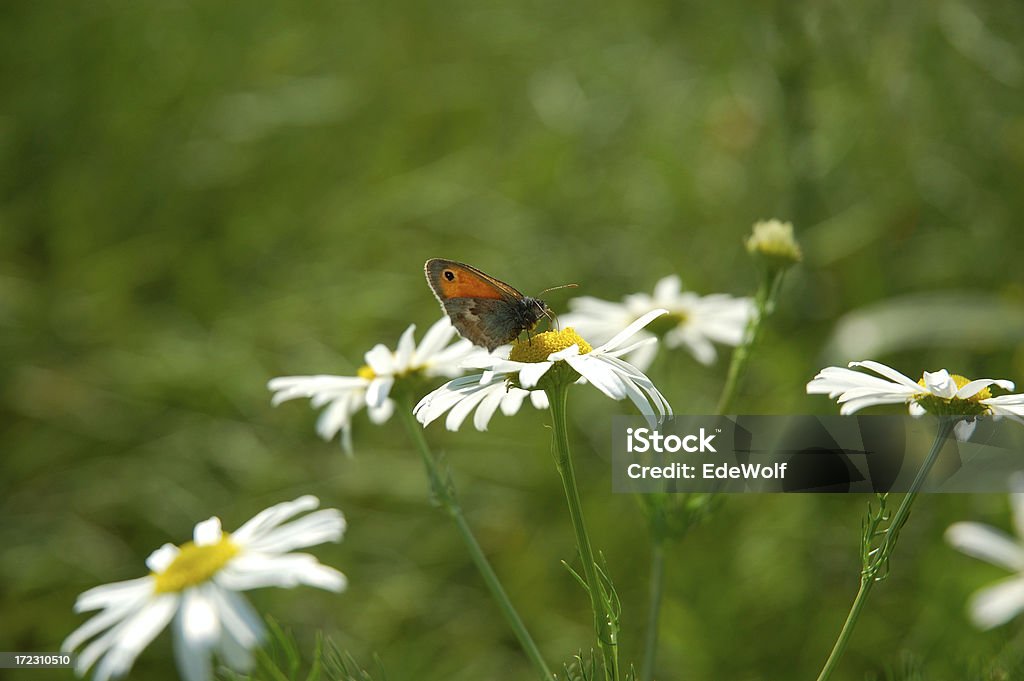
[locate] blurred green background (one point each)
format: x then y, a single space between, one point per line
199 196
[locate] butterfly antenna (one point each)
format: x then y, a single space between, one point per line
555 288
552 317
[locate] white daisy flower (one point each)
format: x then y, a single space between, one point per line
196 585
694 322
1004 600
344 396
542 357
938 392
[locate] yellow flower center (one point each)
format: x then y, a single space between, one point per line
537 348
954 406
195 564
366 372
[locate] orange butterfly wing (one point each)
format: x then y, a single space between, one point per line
450 279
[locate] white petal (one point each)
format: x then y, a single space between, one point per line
642 404
114 595
605 371
964 429
719 317
242 630
261 524
380 360
539 399
598 309
642 355
436 403
486 410
834 381
113 612
159 560
638 304
854 405
633 347
122 644
565 353
974 387
631 330
239 618
434 340
254 571
461 410
855 390
997 604
940 383
700 347
450 361
858 398
338 416
667 289
492 362
513 400
404 351
207 532
599 374
530 374
326 525
322 387
635 377
986 543
1006 405
381 413
196 631
200 621
889 373
378 390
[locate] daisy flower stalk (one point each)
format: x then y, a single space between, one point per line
670 516
443 492
995 605
553 361
344 396
954 399
386 384
195 588
773 246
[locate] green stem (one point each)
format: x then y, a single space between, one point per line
605 621
851 620
445 495
764 303
880 556
656 583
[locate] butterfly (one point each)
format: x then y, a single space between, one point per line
484 310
